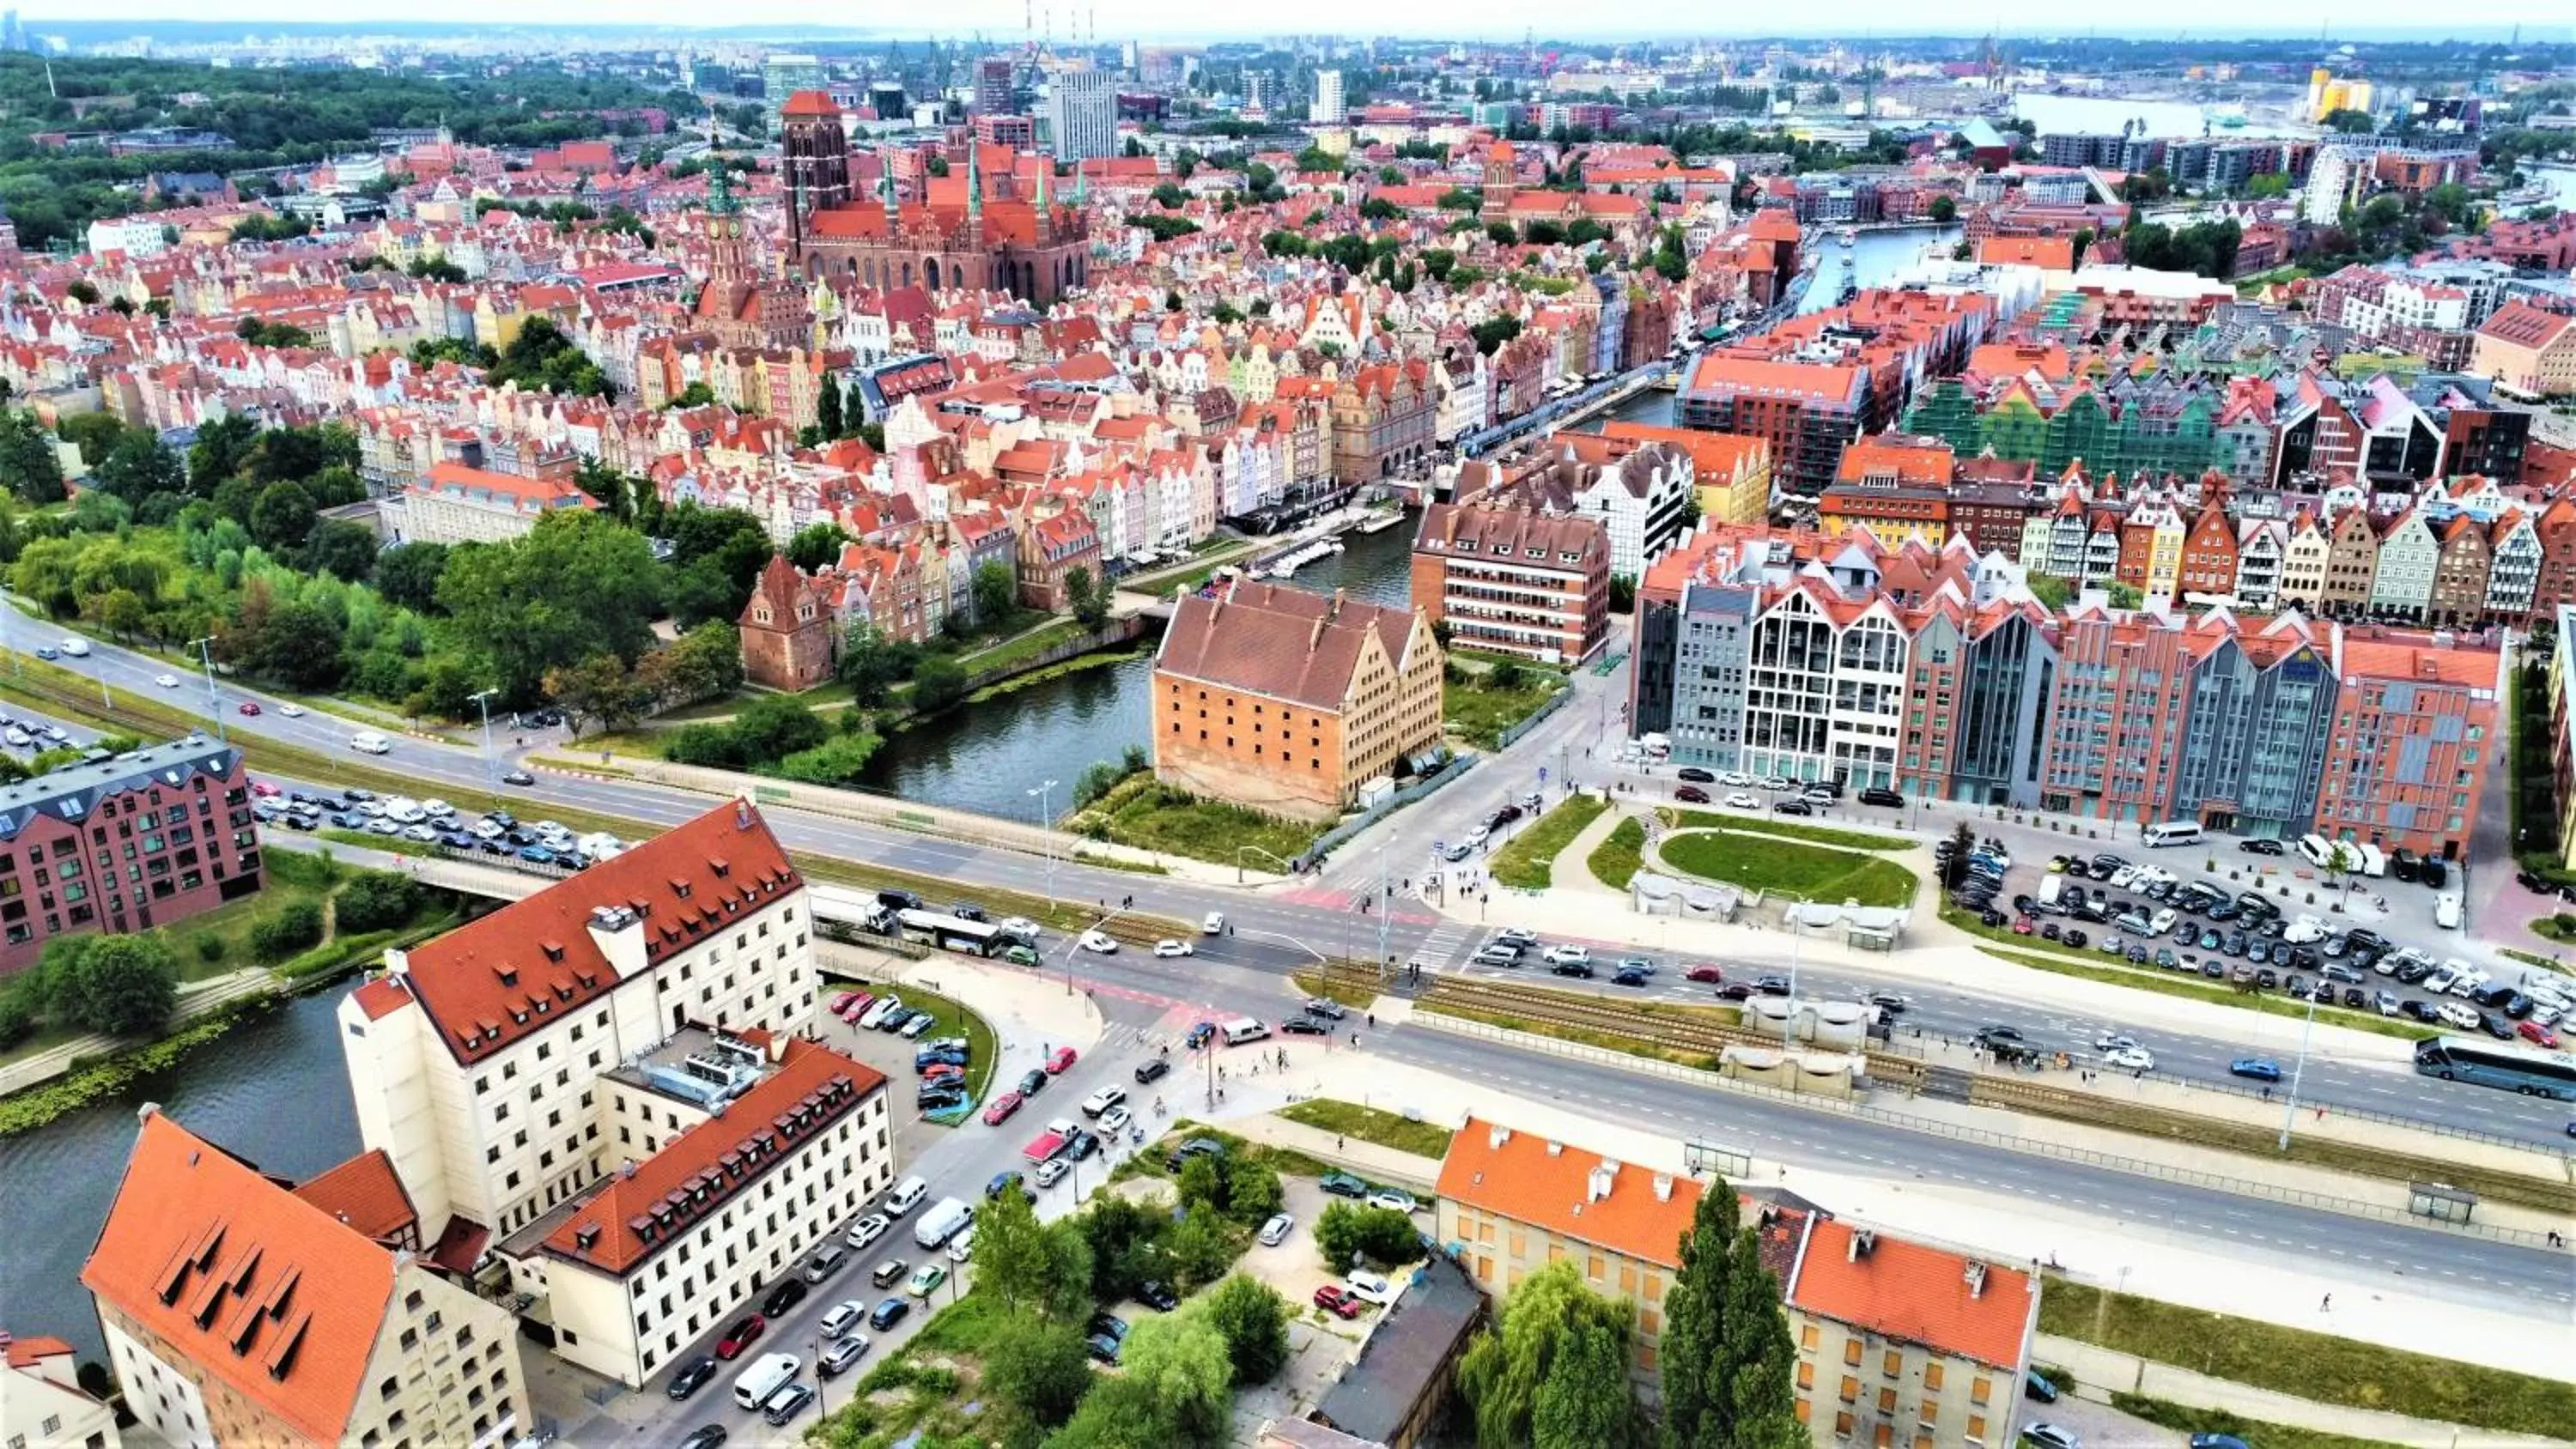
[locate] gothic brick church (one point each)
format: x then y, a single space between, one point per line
989 239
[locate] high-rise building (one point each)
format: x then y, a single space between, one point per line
1259 87
783 75
1081 115
993 87
1329 107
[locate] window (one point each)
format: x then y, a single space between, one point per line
1807 1336
1806 1376
1893 1364
1978 1390
1850 1389
1932 1378
1851 1351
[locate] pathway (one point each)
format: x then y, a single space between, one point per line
196 998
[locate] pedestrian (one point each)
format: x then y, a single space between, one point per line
1337 1146
1372 1020
2321 1114
2328 1305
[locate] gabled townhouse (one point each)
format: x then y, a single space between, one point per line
2261 563
2352 562
2402 578
2462 573
2513 577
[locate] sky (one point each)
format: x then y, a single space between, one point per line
1464 19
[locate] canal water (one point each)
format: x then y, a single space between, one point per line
989 757
271 1090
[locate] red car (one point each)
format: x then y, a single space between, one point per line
1002 1108
1336 1300
1691 795
264 790
2538 1035
942 1072
841 1003
1060 1063
2022 926
250 706
741 1336
860 1001
1709 974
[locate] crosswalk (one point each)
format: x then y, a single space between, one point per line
1449 942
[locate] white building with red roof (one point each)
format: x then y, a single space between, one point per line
41 1400
479 1060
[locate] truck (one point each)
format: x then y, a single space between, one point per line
941 1221
1049 1144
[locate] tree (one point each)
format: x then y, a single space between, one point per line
343 550
29 466
1726 1359
1943 210
1504 1369
1124 1237
1181 1361
575 586
695 395
2053 593
776 726
407 575
283 517
827 406
816 545
375 900
1199 1248
138 466
1584 1400
295 644
871 664
1086 596
1040 1369
119 985
2124 596
600 688
938 683
1011 1261
1252 1190
1254 1320
997 594
296 927
95 434
1963 843
1346 1233
703 663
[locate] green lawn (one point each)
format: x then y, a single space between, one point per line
1524 861
1150 816
1030 645
2219 1421
1814 872
2314 1366
1784 826
1386 1129
1478 712
1616 860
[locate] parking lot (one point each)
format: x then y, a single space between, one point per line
2268 938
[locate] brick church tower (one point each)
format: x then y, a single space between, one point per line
786 630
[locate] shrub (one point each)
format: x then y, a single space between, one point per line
1380 1235
210 947
293 929
376 901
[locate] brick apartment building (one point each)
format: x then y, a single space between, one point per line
145 839
1288 702
1508 579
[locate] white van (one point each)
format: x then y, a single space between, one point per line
2446 912
941 1221
76 647
2374 861
2172 832
767 1375
2318 850
368 742
1243 1029
906 1196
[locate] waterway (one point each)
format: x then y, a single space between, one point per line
272 1090
992 756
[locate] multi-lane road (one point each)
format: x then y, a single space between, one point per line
1279 929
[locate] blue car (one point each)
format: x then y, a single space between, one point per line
2260 1069
889 1313
48 651
537 855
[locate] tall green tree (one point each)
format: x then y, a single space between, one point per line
827 406
1254 1320
577 585
1727 1359
1584 1401
29 465
119 986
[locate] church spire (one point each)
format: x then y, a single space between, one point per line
885 187
974 181
1046 171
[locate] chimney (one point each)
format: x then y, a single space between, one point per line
1862 1240
1598 1182
1976 1279
1496 1136
1340 597
1663 1187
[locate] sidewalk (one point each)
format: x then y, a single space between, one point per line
2101 1372
1368 1159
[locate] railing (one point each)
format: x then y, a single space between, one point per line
1516 732
1336 836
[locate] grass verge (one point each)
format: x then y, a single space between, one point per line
1818 873
1336 988
1143 814
1478 710
1386 1129
2024 951
2315 1366
1616 860
1626 1045
1784 827
2219 1421
1524 861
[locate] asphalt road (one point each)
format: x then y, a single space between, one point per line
1278 931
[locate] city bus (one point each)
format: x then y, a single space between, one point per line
2495 1064
950 933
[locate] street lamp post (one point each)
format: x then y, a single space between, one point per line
214 701
2307 1033
1046 837
483 700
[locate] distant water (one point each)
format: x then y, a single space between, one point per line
2070 115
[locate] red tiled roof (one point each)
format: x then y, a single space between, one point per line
509 974
1530 1179
702 1168
1281 642
257 1287
365 1193
25 1352
810 103
1916 1293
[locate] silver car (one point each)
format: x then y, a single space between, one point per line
1276 1231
